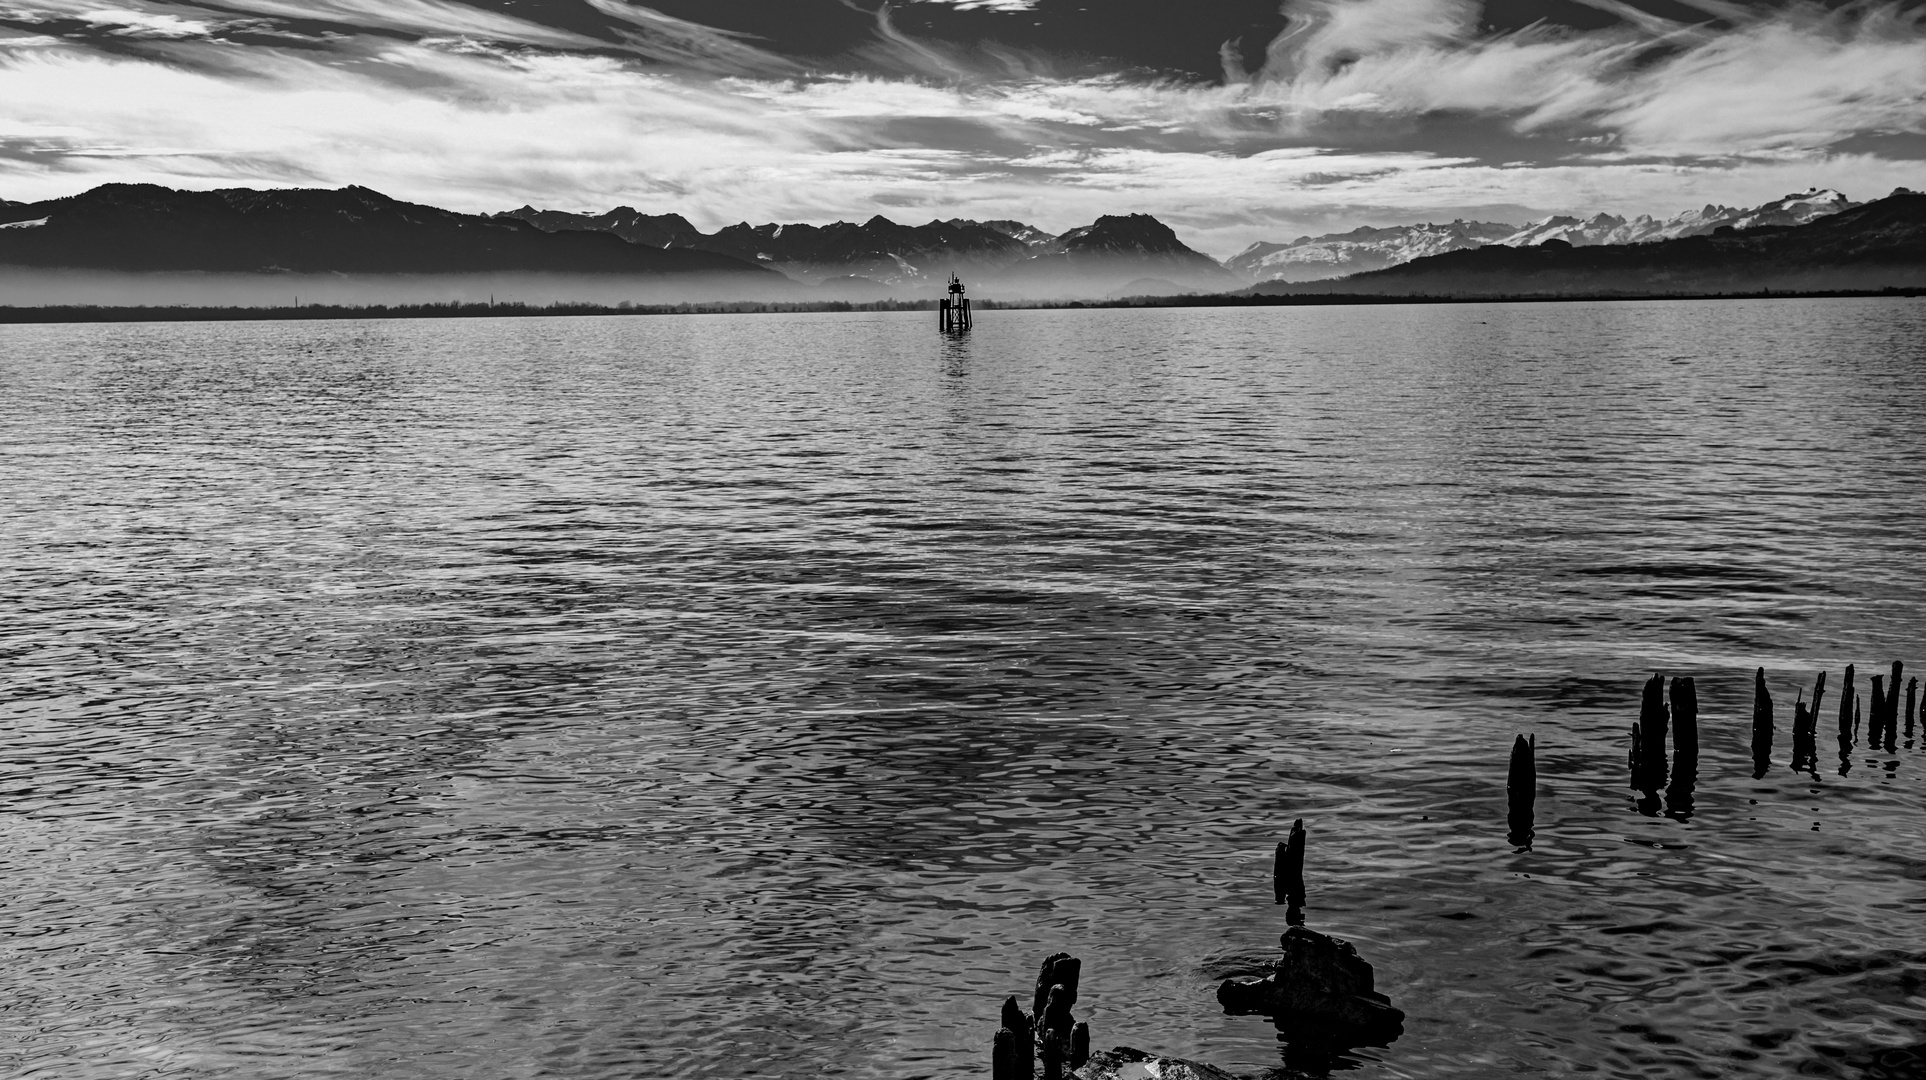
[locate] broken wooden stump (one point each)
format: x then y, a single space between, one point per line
1761 726
1049 1033
1891 710
1059 969
1848 712
1648 759
1320 988
1010 1058
1685 718
1805 730
1287 874
1521 792
1685 746
1014 1056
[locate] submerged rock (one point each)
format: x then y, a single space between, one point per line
1129 1063
1322 981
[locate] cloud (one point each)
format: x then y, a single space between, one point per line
147 24
447 104
1798 78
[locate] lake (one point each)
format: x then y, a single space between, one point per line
729 696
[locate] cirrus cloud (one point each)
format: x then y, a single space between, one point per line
1363 111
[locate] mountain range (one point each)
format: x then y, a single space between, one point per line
1877 245
144 227
1314 258
882 256
357 245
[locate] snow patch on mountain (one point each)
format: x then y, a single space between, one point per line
1795 209
1312 258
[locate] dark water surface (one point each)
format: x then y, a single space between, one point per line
766 696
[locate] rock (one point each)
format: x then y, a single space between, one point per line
1318 979
1127 1063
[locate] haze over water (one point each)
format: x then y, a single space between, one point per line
757 695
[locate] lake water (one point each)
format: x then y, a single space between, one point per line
766 696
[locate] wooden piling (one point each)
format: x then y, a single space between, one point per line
1079 1045
1010 1057
1685 717
1015 1020
1521 791
1648 739
1912 698
1848 710
1805 721
1059 970
1892 706
1288 883
1761 725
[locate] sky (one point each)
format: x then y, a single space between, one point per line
1233 121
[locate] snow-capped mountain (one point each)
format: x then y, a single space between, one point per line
1795 209
1312 258
1029 235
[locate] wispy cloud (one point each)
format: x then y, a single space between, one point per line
449 104
1802 77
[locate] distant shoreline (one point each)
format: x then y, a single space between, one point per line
90 313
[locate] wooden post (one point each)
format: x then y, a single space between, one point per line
1288 870
1685 743
1892 707
1685 717
1521 791
1648 739
1912 698
1059 969
1876 731
1848 711
1761 725
1079 1045
1023 1051
1010 1058
1805 744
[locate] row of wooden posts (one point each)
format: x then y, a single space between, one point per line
1652 770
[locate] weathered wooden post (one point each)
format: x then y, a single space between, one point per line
1007 1059
1805 743
1685 744
1892 707
1685 717
1761 726
1848 712
1648 740
1912 698
1049 1033
1015 1051
1884 710
1521 792
1288 874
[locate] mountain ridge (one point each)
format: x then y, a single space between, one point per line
1313 258
1880 244
149 228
